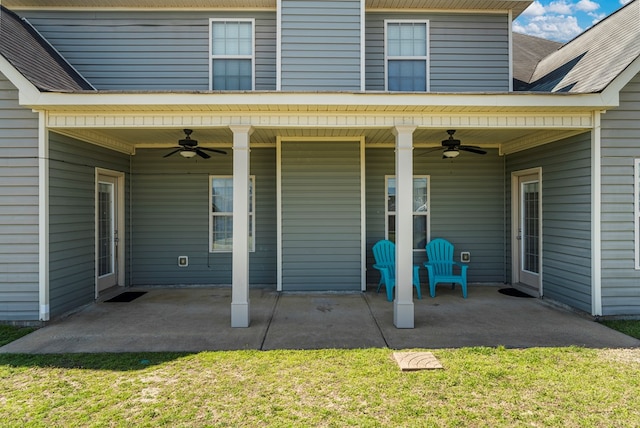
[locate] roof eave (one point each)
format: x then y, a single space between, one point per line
612 90
244 101
27 91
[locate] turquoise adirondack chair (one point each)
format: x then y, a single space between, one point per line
384 253
441 266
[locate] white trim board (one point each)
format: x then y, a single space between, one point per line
596 217
636 210
43 219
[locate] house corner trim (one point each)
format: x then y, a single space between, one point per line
43 218
596 216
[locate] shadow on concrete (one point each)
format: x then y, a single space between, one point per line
187 320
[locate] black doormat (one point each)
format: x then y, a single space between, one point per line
127 296
513 292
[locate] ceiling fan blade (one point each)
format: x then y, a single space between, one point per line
172 153
222 152
429 151
202 154
473 149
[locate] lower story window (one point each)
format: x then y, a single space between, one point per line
221 218
420 210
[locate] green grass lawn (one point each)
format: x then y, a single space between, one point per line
10 333
479 387
628 327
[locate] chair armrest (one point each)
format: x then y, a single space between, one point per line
440 262
431 265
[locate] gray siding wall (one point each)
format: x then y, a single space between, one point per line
467 208
170 218
18 208
566 216
149 50
468 53
321 45
321 232
72 218
620 146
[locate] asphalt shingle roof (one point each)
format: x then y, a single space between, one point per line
591 61
528 51
35 58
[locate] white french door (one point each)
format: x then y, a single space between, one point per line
527 231
109 224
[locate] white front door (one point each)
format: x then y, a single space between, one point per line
108 225
528 231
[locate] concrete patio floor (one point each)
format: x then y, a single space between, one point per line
198 319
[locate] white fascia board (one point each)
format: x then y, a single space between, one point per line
612 91
27 91
525 101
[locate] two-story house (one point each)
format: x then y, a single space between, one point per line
273 142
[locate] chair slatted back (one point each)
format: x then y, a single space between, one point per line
384 252
440 250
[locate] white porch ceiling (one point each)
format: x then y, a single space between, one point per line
130 139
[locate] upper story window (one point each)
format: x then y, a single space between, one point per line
232 55
406 56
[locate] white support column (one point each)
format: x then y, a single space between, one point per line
403 312
240 314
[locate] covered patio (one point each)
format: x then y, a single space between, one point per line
197 319
348 151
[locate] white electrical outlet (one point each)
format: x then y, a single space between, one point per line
465 257
183 261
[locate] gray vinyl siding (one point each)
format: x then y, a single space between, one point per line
170 218
72 218
19 295
620 146
149 50
566 216
321 231
467 208
468 52
321 45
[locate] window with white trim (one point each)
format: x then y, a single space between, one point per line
636 210
406 56
232 54
221 214
420 210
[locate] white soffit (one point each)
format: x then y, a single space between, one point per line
517 6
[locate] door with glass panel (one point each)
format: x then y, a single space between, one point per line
107 230
528 233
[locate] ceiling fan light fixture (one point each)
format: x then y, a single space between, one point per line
450 153
187 154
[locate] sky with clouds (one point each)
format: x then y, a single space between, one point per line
562 20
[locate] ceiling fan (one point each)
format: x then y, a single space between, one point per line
452 147
188 148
